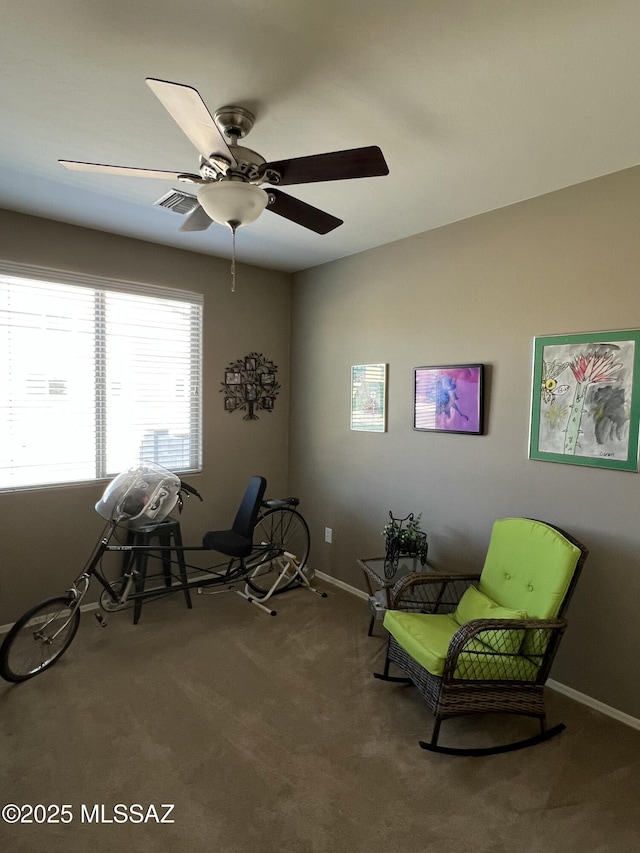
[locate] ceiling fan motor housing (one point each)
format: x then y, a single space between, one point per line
249 163
248 166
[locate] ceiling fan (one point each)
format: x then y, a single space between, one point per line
231 177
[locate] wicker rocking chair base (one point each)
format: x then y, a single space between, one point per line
396 679
460 698
547 734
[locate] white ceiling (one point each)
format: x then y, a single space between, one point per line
476 104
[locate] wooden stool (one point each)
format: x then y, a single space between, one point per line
168 534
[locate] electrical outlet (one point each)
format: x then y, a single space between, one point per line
328 535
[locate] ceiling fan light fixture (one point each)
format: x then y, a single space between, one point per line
232 203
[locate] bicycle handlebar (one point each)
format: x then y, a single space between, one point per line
190 490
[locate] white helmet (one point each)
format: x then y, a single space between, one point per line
141 496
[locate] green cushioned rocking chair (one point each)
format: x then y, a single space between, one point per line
476 644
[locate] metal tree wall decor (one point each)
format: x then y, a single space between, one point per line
250 385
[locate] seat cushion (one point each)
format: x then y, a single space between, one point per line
227 542
425 637
476 605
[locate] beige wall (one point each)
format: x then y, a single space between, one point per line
46 535
476 291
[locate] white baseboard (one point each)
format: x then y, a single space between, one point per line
596 705
582 698
345 586
4 629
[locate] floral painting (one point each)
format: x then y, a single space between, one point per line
449 398
585 401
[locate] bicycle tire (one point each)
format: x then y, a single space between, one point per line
276 531
25 652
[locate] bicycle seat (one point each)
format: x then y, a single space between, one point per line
238 541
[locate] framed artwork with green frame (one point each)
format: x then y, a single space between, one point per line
585 406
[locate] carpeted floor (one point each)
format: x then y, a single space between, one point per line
269 735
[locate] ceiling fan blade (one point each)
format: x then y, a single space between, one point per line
197 220
301 213
188 110
125 171
334 166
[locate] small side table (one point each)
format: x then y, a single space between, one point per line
381 582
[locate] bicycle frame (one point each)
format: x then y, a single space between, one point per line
139 496
210 576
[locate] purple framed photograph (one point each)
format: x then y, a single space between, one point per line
449 398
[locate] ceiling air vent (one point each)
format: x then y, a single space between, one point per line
178 201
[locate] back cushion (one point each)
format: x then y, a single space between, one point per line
528 567
476 605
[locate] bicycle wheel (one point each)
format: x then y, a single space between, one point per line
277 531
39 638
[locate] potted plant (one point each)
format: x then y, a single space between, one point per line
405 537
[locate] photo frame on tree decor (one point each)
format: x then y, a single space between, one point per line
250 385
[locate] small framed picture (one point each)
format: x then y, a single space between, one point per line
369 397
449 398
232 377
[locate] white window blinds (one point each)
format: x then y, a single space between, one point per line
97 375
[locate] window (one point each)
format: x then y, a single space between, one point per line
96 375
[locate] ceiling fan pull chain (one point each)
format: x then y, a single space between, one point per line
233 260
